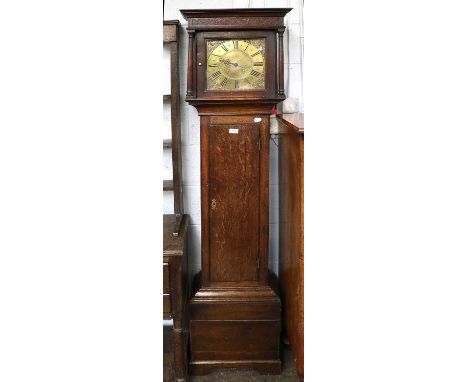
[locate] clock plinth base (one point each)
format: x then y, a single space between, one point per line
263 367
235 327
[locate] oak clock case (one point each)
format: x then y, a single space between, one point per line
234 78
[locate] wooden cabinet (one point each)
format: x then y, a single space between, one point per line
291 266
234 78
175 288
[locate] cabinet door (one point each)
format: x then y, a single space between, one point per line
234 177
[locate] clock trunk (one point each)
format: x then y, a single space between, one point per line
234 193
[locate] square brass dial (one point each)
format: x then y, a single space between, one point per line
234 65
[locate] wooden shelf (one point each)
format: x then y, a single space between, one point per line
294 121
167 144
168 185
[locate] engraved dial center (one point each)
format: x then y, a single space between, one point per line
236 64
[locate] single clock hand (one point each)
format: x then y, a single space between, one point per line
228 62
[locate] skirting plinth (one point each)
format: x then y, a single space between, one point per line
235 327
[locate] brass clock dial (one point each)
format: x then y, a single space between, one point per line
235 64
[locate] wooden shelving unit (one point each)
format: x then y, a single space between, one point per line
170 37
175 284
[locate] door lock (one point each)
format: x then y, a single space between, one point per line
213 204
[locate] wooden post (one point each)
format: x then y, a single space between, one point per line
191 33
280 79
175 122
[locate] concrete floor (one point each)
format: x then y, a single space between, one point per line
232 375
288 373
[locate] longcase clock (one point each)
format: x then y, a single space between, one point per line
234 79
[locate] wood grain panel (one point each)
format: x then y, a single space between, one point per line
234 201
166 303
166 286
239 338
291 161
236 311
264 203
205 199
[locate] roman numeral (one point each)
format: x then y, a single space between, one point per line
223 84
255 73
216 74
236 84
248 43
253 55
222 46
236 44
258 63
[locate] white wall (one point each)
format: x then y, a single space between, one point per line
190 122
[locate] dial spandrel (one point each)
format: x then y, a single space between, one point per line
235 64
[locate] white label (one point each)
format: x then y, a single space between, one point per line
257 119
233 131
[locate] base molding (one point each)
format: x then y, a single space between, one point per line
235 327
271 367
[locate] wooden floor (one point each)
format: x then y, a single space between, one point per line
288 374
